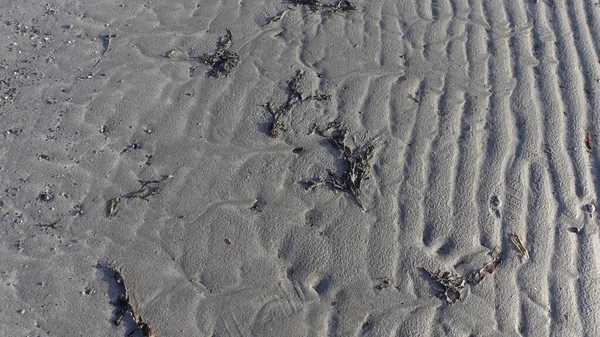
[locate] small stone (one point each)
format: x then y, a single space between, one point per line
89 291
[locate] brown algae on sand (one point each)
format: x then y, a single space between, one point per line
222 60
294 97
451 286
357 159
589 145
112 206
516 241
478 275
149 188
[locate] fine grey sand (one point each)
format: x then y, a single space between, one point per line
484 121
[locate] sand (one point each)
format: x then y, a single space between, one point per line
484 119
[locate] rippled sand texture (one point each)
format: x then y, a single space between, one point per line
479 110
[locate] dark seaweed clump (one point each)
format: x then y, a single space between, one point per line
318 5
357 158
222 60
450 286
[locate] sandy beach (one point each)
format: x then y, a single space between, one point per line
306 168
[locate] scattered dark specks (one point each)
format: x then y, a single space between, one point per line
495 204
383 283
14 131
289 273
77 210
89 291
46 196
132 146
11 191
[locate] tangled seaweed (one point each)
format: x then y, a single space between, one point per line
357 158
451 286
294 97
222 60
318 5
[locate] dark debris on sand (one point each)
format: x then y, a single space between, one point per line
222 60
450 286
357 156
149 188
123 304
318 5
294 97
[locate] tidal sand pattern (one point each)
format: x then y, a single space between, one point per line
307 168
